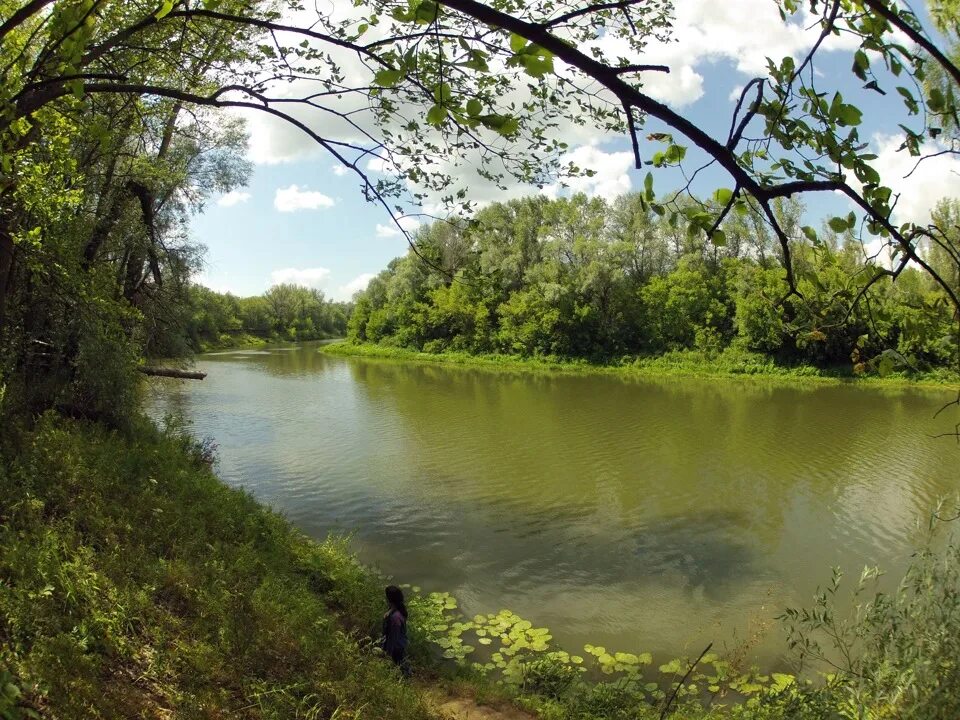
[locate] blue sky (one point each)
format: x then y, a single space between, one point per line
300 221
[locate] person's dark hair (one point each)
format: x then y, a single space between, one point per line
395 598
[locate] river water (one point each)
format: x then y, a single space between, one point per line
639 515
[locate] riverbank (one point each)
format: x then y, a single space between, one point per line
134 583
245 341
729 364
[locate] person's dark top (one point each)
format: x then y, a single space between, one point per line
395 635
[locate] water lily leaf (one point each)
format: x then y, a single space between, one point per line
781 681
671 667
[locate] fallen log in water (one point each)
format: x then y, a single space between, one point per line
173 373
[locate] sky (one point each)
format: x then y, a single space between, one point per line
302 218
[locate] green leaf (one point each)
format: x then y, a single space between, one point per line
838 225
782 681
510 127
675 154
835 106
76 88
936 101
811 234
436 115
426 12
648 186
517 42
723 195
388 78
719 238
474 107
164 10
861 63
849 116
537 65
442 93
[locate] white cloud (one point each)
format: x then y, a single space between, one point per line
347 291
932 180
340 170
234 197
306 277
220 285
611 177
707 31
407 223
292 199
704 31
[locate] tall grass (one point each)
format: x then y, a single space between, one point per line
133 583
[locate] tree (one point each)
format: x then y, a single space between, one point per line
413 85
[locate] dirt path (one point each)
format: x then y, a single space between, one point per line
466 709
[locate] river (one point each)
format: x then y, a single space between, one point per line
639 515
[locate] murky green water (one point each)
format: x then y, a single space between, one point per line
643 516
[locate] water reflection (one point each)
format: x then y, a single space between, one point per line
634 514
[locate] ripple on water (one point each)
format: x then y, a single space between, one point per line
652 516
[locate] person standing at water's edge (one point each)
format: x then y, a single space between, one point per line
395 629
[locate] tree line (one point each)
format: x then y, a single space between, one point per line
580 277
286 312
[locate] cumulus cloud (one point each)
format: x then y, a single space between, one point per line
292 199
611 173
340 170
704 31
306 277
220 285
234 197
348 290
407 223
928 183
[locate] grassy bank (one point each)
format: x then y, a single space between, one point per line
245 341
133 583
727 364
233 341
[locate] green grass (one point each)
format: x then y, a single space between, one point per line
731 363
243 341
133 583
233 341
